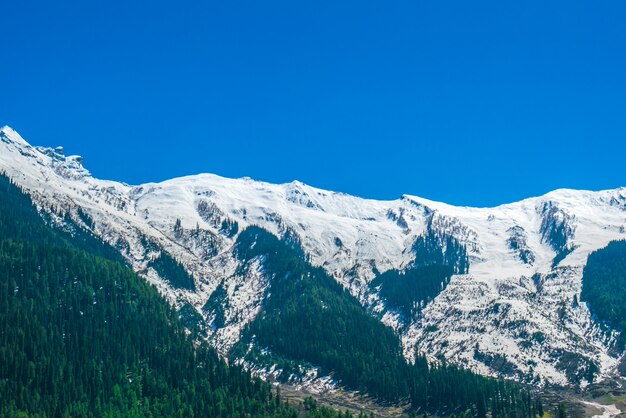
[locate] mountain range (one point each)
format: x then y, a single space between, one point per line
500 290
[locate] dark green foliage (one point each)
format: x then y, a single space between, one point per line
291 240
172 271
88 242
81 335
85 218
430 249
413 288
604 285
311 410
309 317
560 256
192 320
309 403
437 258
229 228
265 358
216 305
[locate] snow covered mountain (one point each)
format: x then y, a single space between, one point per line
511 307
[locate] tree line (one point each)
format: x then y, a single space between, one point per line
309 317
82 335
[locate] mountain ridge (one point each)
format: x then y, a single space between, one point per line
16 137
525 258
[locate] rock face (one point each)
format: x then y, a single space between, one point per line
508 309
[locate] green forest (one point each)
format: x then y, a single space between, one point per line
411 289
604 286
81 335
310 318
436 260
172 271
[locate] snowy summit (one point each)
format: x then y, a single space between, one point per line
511 308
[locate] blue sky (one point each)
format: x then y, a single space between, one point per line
474 103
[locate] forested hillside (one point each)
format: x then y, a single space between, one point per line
82 335
604 285
308 317
411 289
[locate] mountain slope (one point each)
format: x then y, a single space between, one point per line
604 285
82 335
309 318
507 309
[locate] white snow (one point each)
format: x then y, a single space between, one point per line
608 411
494 307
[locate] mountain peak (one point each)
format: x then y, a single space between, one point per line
9 134
21 157
511 251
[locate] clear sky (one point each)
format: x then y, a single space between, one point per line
474 103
